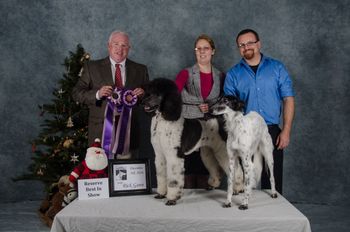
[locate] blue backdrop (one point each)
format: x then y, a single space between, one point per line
311 37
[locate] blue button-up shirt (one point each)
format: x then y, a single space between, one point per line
262 92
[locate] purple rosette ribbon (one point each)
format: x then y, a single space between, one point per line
117 122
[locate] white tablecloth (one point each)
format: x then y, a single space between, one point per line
197 210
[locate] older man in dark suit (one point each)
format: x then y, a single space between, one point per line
100 77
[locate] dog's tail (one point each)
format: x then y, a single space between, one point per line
258 166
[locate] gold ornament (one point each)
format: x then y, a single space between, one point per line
40 172
67 143
86 56
70 122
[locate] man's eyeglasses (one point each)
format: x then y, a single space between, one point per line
205 49
248 44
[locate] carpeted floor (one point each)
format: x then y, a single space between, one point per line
22 216
326 218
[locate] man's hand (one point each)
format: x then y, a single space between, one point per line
138 92
283 139
288 114
105 91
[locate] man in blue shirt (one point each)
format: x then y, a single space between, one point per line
264 85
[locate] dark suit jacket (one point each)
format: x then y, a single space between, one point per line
97 74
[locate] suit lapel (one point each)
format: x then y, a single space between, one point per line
129 73
106 72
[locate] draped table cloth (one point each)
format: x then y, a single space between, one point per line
197 211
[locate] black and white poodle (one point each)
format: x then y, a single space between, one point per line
173 136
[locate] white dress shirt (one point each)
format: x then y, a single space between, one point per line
122 71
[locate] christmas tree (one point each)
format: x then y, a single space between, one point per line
62 143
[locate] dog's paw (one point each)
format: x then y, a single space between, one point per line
234 193
243 207
227 205
274 195
171 202
159 196
237 191
209 188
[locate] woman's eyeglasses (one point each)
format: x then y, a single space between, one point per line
205 49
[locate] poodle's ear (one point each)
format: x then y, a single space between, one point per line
238 105
171 106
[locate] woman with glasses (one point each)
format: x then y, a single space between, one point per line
200 86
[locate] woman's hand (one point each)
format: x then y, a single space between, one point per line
204 108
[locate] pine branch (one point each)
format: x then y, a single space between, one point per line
64 128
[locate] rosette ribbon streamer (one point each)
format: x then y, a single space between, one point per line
116 134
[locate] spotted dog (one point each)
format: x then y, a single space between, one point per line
173 137
247 136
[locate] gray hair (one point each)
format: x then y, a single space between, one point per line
116 33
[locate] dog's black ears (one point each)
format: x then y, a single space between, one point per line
171 106
235 103
171 103
239 106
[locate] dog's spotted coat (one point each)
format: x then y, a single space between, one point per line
247 136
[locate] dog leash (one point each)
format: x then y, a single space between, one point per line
210 105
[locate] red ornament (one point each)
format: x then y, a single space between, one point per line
33 147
